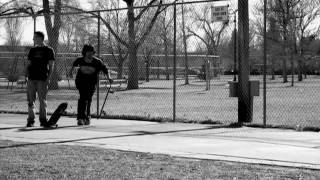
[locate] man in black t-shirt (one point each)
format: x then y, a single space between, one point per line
38 72
89 68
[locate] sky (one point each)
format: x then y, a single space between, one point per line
28 23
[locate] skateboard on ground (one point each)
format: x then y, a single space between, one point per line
57 114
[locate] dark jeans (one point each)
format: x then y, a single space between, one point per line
35 87
86 92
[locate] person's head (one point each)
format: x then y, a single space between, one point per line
38 38
88 51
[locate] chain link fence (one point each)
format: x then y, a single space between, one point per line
206 63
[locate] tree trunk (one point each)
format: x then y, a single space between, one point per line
272 69
120 68
53 43
284 61
292 69
133 69
304 70
300 77
284 70
53 35
133 64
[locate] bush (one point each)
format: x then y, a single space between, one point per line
13 78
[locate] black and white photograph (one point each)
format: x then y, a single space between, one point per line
160 89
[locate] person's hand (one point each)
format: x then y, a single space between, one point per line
48 81
110 81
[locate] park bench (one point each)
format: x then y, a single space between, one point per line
21 82
115 81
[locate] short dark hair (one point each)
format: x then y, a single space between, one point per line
87 48
39 34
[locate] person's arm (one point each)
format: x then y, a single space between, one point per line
51 64
74 65
105 71
26 71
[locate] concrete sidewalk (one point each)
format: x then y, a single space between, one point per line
249 145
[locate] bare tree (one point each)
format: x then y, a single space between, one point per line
13 28
135 39
70 24
307 13
284 14
274 48
119 51
166 27
212 33
152 45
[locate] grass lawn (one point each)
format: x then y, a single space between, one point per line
74 162
286 105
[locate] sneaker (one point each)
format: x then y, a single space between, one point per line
30 123
80 122
43 123
87 122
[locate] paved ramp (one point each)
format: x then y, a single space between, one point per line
248 145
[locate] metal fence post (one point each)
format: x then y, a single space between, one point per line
235 47
98 51
208 74
265 64
174 59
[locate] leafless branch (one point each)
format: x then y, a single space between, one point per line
107 24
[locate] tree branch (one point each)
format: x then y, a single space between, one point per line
144 10
198 36
147 32
105 23
219 34
113 32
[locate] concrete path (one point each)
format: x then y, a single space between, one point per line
249 145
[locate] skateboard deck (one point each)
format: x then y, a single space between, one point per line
57 114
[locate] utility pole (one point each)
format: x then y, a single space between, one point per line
244 100
235 46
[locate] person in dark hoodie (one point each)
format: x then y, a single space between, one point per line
89 68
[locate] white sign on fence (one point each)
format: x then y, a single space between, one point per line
219 13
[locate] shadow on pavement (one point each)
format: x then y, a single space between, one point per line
8 128
135 133
44 128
